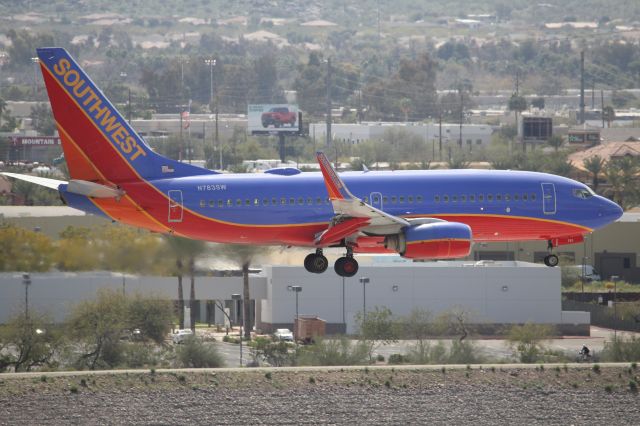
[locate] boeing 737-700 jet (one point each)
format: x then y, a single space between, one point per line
432 214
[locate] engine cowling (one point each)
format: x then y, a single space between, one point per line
441 240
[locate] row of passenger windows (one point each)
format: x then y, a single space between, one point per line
309 201
481 198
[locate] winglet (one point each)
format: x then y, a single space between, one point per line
335 187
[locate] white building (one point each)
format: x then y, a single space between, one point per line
491 293
474 136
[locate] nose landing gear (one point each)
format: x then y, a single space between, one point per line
551 259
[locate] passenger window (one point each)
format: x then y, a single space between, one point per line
274 201
300 201
265 202
292 201
436 198
498 197
212 203
309 200
318 200
480 197
445 198
410 199
524 197
463 198
247 202
507 197
376 199
385 200
283 201
238 202
533 197
472 198
203 203
229 202
256 202
393 199
220 203
516 197
454 198
489 197
419 199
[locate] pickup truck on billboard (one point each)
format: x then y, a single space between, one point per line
273 118
278 117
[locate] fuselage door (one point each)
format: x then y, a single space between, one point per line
548 198
175 205
375 199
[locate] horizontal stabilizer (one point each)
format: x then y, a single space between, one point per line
38 180
94 190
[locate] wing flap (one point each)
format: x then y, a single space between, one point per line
341 230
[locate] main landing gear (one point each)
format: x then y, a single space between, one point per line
316 262
551 259
346 266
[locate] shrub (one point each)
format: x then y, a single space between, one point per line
267 375
621 349
526 340
398 359
334 352
596 368
380 358
138 355
193 353
633 386
464 352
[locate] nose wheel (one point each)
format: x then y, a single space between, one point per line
316 262
551 259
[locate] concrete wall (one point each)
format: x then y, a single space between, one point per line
506 293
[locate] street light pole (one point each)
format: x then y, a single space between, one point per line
344 322
35 61
239 297
26 280
364 281
297 289
212 63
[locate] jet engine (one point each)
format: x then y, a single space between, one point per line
440 240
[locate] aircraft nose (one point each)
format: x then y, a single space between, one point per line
610 210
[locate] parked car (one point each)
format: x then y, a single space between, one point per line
590 273
278 117
181 335
284 334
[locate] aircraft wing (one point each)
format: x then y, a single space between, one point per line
351 213
47 182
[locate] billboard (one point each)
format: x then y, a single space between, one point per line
273 118
536 129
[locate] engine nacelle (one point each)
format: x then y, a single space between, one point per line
441 240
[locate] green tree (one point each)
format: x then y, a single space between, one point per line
528 340
33 342
97 326
378 327
24 250
594 165
194 353
152 315
609 114
622 176
556 142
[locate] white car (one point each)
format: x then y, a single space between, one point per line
284 334
181 335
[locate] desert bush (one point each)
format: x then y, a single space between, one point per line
138 355
621 349
196 354
340 351
398 359
527 340
276 353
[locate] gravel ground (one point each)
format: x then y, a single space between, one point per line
554 395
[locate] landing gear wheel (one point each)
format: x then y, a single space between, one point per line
316 263
346 266
551 260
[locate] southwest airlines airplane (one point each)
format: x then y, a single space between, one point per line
433 214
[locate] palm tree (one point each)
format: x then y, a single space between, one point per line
244 255
186 249
594 165
622 174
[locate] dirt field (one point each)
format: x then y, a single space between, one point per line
575 394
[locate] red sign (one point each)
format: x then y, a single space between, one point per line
34 140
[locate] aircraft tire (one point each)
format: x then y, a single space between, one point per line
346 267
316 263
551 260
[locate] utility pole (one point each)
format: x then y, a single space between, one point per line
440 136
212 62
461 116
582 87
602 106
328 83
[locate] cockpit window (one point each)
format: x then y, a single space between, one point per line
583 193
